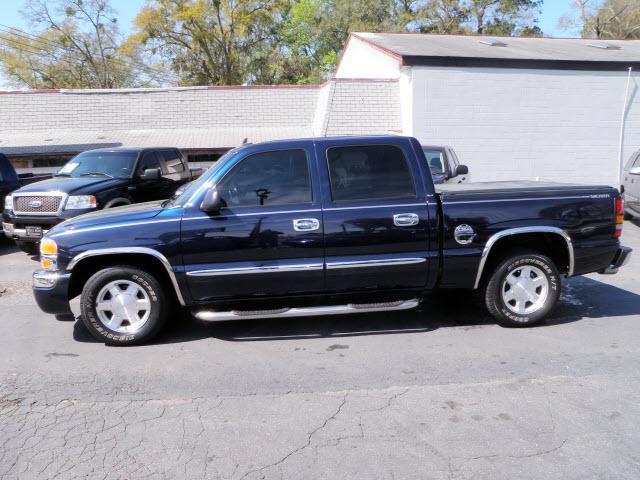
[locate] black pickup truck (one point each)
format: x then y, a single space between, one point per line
93 180
326 226
10 180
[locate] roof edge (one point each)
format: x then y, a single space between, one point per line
519 63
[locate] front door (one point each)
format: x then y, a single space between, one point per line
632 184
268 239
157 189
375 217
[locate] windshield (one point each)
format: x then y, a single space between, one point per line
435 160
100 164
186 192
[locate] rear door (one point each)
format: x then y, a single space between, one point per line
268 239
375 216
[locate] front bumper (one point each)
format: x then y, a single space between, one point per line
621 258
51 290
19 233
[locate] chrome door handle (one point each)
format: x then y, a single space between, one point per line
306 224
406 219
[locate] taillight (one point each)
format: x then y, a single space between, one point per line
619 217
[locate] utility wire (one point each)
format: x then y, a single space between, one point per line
158 74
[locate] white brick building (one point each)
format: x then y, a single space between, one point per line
530 108
546 108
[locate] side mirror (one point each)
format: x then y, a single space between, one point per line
212 202
461 170
634 171
151 174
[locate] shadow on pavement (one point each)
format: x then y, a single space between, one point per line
7 247
582 298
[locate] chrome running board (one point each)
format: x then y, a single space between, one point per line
213 316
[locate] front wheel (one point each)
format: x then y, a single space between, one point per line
123 305
522 290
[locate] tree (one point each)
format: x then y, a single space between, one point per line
604 19
442 16
209 41
314 32
502 17
78 45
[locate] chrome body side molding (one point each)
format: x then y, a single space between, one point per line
387 262
519 231
252 270
213 316
132 250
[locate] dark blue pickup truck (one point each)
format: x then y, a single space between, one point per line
326 226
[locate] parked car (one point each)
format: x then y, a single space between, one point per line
444 165
93 180
326 226
10 180
631 186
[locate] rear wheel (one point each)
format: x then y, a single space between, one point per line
31 248
123 305
523 289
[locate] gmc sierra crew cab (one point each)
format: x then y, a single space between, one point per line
326 226
93 180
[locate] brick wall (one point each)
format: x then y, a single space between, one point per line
363 107
522 124
158 109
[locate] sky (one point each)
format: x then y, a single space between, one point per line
552 10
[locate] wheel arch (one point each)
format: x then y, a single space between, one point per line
542 238
119 201
85 264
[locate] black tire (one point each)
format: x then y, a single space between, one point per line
628 216
159 305
30 248
493 291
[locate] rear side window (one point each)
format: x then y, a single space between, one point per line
172 162
268 179
369 172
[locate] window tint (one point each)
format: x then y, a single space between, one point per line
149 160
172 161
637 162
268 179
435 160
369 172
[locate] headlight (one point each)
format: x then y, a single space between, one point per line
80 202
8 202
48 254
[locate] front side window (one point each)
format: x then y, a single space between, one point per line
435 160
369 172
149 161
268 179
105 164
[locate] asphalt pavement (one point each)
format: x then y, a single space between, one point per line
442 393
